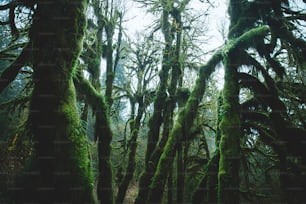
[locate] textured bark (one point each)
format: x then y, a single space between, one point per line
188 113
95 99
135 125
228 177
181 127
180 174
59 171
156 118
207 190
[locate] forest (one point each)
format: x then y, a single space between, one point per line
91 112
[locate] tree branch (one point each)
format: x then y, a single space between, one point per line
10 73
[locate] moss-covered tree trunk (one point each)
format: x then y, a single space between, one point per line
188 113
59 171
104 138
180 174
161 95
207 190
181 127
156 119
135 126
95 99
228 177
164 105
110 74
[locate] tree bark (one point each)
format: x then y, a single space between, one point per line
228 177
135 126
60 170
182 126
95 99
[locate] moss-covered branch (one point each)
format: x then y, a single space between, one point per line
182 125
188 113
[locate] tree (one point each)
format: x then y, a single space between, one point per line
143 67
106 17
258 124
53 118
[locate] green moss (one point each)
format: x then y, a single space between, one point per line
61 158
103 135
244 41
228 176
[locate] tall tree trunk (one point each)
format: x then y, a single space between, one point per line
188 113
180 174
170 186
207 190
104 139
156 118
228 183
110 74
228 176
181 127
95 99
60 170
135 125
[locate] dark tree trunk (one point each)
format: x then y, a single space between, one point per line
180 174
95 99
135 125
170 186
59 171
156 119
207 190
182 127
230 136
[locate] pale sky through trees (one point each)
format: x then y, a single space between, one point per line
137 20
